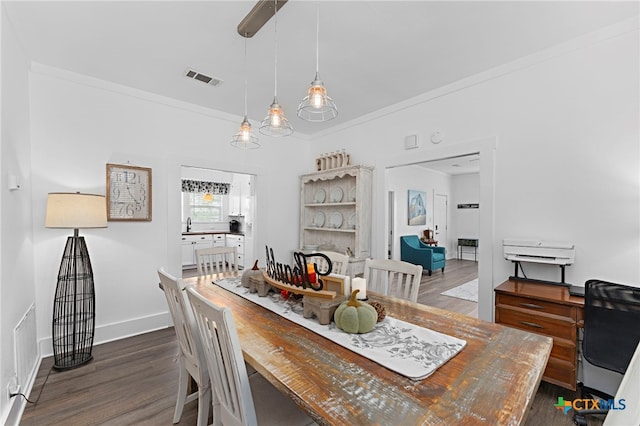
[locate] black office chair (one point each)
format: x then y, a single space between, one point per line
611 333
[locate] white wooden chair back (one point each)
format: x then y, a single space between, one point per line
339 261
214 260
222 350
393 278
191 358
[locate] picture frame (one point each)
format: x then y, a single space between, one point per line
129 193
416 207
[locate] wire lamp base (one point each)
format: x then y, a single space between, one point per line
73 307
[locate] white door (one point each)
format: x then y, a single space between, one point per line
440 202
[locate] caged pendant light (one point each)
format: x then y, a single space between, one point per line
317 106
275 123
244 137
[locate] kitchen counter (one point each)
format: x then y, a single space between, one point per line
212 233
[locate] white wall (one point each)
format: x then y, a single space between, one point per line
465 189
565 126
80 124
400 180
16 251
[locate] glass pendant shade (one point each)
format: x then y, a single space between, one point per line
317 106
244 137
275 123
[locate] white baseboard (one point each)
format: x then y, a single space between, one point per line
110 332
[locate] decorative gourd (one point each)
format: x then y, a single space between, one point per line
353 316
250 273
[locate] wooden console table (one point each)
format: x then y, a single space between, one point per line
549 310
468 242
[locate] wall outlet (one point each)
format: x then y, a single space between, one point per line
13 387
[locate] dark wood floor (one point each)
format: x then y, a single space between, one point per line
457 272
133 381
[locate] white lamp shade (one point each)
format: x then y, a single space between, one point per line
74 210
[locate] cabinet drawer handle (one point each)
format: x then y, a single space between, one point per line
532 306
531 324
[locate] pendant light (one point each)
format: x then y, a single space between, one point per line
244 137
317 106
275 123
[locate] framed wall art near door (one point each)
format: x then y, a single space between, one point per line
417 207
128 193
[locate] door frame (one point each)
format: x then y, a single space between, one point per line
486 148
174 190
391 224
445 242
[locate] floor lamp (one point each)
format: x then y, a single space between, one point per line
73 322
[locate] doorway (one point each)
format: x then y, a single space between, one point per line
485 151
218 209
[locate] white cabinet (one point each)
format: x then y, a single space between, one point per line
190 243
239 194
335 210
237 241
219 240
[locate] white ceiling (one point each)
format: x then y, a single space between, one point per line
372 53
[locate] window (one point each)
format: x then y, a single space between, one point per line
200 210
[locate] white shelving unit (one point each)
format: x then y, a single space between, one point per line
343 198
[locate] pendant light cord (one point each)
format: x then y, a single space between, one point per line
245 75
318 39
275 62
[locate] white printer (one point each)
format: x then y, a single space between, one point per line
551 252
538 251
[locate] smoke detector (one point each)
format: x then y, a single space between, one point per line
195 75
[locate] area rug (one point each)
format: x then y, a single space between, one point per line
466 291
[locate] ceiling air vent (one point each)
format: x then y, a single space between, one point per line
215 82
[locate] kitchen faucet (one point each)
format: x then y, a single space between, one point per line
188 224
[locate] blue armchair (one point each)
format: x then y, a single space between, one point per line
412 250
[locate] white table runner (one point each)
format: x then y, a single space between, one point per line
412 351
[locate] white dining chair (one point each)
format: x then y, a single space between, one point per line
393 278
339 262
239 399
214 260
191 358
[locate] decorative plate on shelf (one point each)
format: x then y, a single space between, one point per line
352 221
318 220
335 220
319 196
336 195
352 194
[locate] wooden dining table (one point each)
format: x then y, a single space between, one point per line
493 380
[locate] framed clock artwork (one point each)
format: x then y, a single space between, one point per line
128 193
